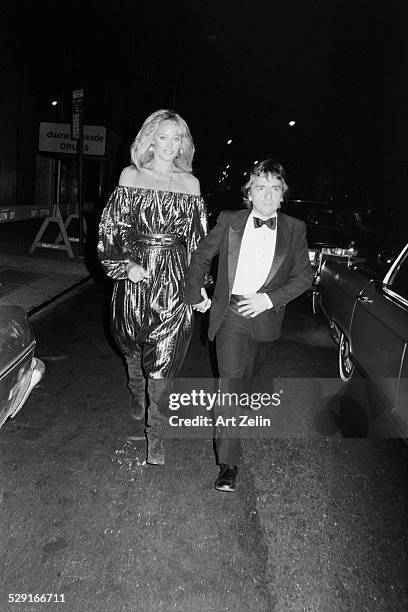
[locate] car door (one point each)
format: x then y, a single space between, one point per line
379 330
338 288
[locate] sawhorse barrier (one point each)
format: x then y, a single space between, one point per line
56 217
67 224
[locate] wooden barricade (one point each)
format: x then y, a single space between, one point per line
56 217
68 220
62 241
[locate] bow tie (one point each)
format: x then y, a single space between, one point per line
271 223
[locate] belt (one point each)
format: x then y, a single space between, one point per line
159 241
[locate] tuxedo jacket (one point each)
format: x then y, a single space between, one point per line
290 274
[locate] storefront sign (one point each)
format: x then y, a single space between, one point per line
56 138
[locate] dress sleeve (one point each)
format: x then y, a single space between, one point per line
197 226
114 233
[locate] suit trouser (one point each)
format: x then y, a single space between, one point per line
240 357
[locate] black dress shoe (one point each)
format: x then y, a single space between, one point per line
226 478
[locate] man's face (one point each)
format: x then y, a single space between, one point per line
265 194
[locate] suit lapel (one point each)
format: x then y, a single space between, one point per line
281 247
236 232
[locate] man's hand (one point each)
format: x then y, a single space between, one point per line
136 273
205 304
254 304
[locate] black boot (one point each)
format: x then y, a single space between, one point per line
156 420
155 450
138 407
137 387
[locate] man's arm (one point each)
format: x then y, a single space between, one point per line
201 260
300 277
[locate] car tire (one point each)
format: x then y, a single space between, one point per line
346 366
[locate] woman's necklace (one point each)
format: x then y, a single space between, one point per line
159 202
156 177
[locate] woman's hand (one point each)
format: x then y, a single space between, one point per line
136 273
205 304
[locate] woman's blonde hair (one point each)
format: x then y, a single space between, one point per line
141 149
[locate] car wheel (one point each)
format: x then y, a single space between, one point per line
346 366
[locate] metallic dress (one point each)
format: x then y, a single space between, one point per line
158 230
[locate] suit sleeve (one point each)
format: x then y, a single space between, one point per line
201 260
300 277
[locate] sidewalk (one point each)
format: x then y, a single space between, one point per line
34 281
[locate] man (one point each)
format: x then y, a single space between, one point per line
263 265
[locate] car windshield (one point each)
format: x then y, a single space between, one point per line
320 215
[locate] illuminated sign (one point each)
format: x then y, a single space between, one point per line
57 138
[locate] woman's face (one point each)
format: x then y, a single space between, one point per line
167 140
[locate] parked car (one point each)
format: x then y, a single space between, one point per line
20 371
330 225
366 307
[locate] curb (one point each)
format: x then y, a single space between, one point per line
50 301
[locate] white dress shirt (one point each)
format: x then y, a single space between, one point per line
255 258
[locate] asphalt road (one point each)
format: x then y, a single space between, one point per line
318 522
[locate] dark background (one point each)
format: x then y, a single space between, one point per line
234 69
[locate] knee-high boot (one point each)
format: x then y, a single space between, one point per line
137 387
156 419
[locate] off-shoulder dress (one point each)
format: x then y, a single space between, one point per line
158 230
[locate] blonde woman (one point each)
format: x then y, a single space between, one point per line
152 223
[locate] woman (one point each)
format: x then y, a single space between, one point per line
151 224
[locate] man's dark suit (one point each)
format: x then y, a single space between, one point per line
290 274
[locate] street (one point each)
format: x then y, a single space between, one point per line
317 522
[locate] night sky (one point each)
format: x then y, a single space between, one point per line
239 70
